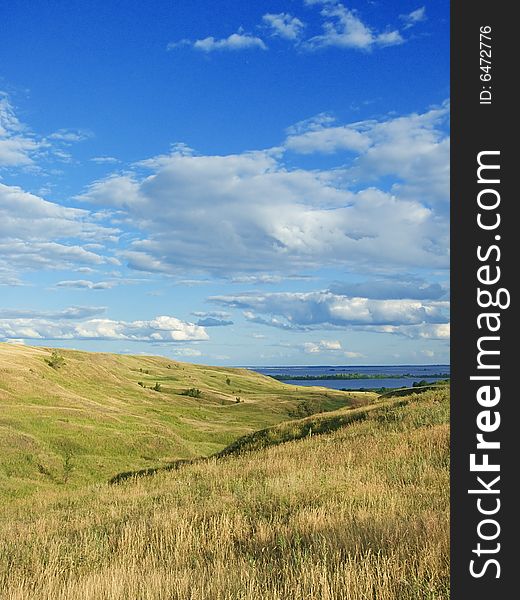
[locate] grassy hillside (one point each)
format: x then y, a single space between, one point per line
96 415
359 511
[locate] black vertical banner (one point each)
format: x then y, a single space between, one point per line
484 264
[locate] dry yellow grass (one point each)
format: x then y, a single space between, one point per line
357 514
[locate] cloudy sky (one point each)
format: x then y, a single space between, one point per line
262 184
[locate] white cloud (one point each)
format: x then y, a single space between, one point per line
70 135
414 17
17 144
118 190
323 346
314 123
350 354
86 284
343 28
34 255
101 160
414 148
213 322
266 279
391 288
70 313
160 329
236 41
304 310
284 25
328 140
36 234
218 314
274 219
20 147
270 321
215 318
425 331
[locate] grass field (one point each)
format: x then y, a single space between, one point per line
358 512
291 493
89 419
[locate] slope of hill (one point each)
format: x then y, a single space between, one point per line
359 512
98 414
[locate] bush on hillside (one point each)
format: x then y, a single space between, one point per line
56 360
192 392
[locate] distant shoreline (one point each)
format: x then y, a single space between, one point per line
349 376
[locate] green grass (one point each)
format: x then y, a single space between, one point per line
87 418
358 511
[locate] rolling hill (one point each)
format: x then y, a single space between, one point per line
88 416
348 504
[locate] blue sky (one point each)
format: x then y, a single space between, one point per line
266 183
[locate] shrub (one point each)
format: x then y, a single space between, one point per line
228 381
192 392
140 383
157 387
56 360
68 466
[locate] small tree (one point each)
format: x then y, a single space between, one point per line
228 381
56 360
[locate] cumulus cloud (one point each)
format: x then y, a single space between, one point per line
37 234
414 148
343 28
160 329
284 25
273 219
328 140
234 42
306 310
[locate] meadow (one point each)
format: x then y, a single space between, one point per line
288 494
94 415
359 511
